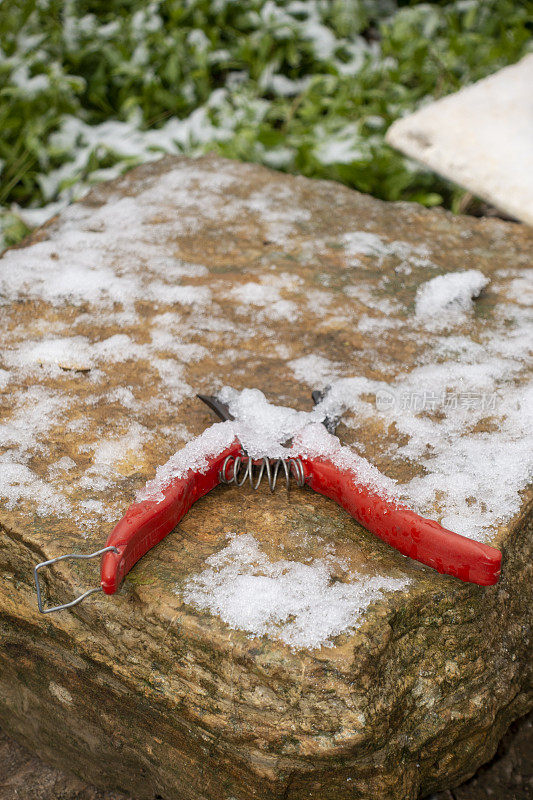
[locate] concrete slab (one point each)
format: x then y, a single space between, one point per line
480 138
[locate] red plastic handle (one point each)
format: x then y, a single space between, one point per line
413 535
146 523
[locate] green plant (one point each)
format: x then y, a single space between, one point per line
88 88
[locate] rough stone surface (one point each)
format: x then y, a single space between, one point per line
509 775
144 693
480 138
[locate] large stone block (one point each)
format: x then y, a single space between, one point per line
359 673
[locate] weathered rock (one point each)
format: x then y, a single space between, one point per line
509 774
145 693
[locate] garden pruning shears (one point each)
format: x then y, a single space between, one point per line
147 522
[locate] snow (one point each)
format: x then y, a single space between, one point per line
34 412
365 243
76 353
17 482
278 213
447 299
266 297
292 602
127 140
369 298
520 290
193 457
98 508
362 243
314 369
281 85
109 452
78 264
261 427
180 295
266 430
323 39
318 300
340 148
63 353
367 324
64 464
34 217
485 473
31 85
471 477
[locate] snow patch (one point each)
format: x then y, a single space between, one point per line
447 299
19 483
69 353
192 457
64 464
108 453
292 602
520 290
315 370
267 298
365 243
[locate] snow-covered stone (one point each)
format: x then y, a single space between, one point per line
270 646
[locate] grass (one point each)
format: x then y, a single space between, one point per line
88 88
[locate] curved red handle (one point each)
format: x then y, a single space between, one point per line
413 535
146 523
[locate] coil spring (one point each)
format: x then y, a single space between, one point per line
245 468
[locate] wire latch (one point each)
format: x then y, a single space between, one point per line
77 600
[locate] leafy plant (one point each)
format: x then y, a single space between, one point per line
87 87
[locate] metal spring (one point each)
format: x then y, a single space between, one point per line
246 468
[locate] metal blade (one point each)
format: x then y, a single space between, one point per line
216 405
330 423
223 413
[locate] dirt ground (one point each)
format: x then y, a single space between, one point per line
509 776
